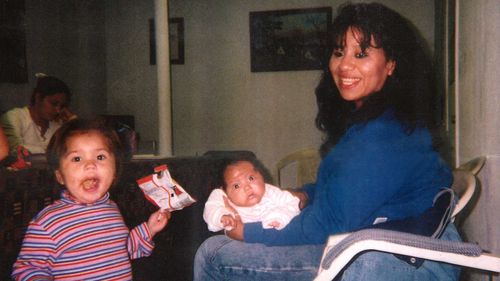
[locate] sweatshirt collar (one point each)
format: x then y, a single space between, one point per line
67 198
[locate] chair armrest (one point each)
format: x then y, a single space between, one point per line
336 256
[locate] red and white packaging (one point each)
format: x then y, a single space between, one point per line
163 191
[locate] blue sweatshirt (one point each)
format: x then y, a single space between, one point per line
377 171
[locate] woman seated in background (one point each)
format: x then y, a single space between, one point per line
31 127
375 104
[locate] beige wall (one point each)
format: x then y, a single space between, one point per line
219 104
64 38
102 50
479 115
131 81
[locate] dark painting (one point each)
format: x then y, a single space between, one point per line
12 42
289 39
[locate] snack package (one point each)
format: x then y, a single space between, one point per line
163 191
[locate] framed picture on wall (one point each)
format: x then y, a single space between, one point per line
175 37
13 65
285 40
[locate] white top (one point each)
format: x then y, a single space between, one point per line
20 129
276 205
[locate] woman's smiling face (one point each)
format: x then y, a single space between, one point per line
359 73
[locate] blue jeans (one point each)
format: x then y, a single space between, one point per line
220 258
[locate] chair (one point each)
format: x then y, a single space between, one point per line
474 166
341 249
307 163
464 185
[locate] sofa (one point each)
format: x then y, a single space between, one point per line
23 193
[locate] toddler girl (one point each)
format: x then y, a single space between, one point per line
82 236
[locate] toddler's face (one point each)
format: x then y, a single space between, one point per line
245 185
88 167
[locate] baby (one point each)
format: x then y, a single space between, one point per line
245 193
82 236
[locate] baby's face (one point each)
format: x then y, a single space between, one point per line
87 170
245 185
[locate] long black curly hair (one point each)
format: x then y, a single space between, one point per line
409 91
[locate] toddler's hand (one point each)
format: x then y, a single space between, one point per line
157 221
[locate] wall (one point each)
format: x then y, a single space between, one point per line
64 38
218 104
478 115
131 81
101 49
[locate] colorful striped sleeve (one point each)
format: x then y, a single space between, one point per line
140 243
37 254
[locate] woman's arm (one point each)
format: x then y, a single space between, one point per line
378 170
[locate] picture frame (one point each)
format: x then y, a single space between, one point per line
13 63
285 40
176 37
176 41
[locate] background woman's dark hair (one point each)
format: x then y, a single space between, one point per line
48 86
409 90
58 143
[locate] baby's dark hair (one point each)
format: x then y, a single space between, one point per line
48 86
258 166
58 143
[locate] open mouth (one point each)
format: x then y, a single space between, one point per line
349 81
90 184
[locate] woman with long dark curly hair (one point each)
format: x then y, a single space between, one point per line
408 90
380 165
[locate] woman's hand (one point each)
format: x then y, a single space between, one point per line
237 232
227 222
65 115
157 221
304 199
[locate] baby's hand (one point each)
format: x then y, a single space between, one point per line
157 221
274 224
228 222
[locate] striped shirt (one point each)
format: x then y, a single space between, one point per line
73 241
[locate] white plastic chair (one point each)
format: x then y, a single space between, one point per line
474 165
463 185
341 249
